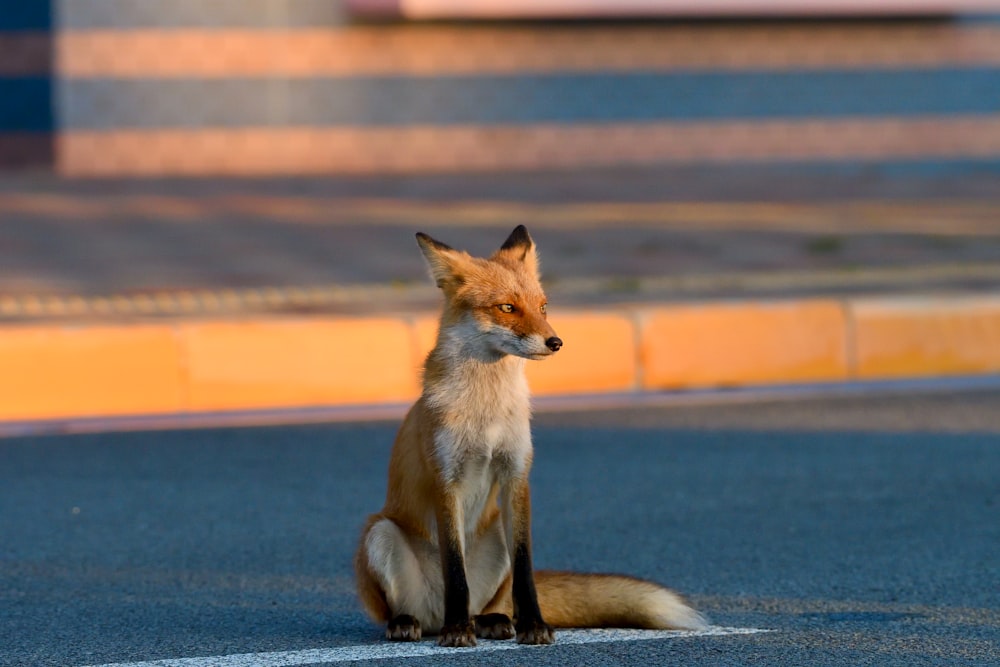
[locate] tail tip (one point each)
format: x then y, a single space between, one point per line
674 613
689 619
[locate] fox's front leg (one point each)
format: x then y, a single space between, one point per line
458 629
531 628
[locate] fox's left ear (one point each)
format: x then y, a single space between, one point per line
447 265
520 248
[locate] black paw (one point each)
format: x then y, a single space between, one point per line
458 635
535 632
494 626
403 628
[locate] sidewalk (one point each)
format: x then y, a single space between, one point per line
152 297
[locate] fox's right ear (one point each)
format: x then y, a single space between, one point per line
444 261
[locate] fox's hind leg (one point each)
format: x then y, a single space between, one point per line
400 581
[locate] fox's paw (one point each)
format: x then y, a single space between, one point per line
535 632
403 628
494 626
458 635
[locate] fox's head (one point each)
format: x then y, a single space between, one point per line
493 306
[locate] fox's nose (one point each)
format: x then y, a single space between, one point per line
553 343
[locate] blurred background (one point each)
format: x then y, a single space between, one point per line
157 145
164 158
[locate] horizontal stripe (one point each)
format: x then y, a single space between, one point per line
27 105
75 14
494 9
430 50
299 151
410 50
110 104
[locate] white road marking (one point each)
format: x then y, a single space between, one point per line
388 650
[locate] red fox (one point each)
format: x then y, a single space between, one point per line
450 553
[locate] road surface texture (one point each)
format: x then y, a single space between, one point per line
857 530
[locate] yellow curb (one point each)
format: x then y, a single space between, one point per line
425 333
65 371
56 372
743 343
913 337
276 363
598 355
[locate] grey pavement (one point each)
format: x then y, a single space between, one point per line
859 530
310 245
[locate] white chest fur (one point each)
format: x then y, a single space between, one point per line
485 437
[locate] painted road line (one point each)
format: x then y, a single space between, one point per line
386 650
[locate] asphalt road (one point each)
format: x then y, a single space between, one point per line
857 530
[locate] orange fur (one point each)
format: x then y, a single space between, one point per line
453 539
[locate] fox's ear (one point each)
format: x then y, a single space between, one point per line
444 261
519 247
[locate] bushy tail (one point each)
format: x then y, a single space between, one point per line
572 600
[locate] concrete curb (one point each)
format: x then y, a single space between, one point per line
199 366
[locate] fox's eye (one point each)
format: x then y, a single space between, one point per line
506 308
543 308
